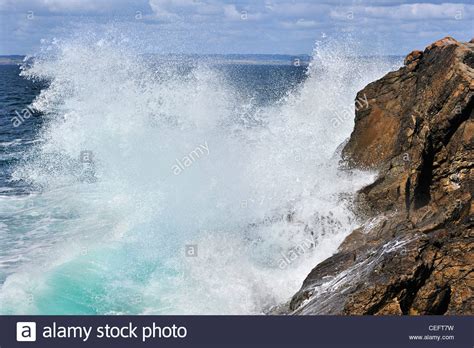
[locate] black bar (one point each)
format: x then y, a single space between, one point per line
247 331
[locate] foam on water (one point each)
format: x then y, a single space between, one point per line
264 205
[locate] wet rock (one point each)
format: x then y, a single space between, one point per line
418 132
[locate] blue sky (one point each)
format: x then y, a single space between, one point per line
239 26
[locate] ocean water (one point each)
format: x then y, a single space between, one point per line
134 184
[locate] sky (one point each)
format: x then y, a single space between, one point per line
238 26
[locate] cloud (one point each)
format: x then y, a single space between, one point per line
231 12
416 11
212 10
244 26
421 11
300 24
290 9
71 7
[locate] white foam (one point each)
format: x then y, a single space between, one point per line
233 203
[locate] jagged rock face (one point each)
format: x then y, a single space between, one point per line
417 256
418 117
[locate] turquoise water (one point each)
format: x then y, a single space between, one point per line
95 220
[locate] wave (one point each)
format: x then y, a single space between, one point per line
163 189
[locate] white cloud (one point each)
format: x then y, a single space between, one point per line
299 24
230 11
420 11
301 9
70 6
199 10
244 25
182 8
416 11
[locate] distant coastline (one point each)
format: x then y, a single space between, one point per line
243 59
11 59
219 59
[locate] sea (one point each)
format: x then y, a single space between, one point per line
138 183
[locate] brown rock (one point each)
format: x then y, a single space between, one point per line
446 41
418 132
411 139
413 57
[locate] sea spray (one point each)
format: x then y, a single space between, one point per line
117 244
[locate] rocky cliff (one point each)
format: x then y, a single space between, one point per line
416 255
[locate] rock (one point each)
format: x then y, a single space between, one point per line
413 57
418 132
